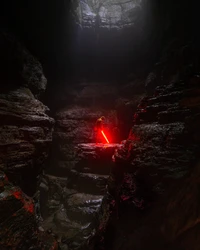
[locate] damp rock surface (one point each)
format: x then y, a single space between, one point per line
149 175
18 227
25 137
73 201
25 134
25 127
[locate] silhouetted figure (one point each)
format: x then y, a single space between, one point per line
99 126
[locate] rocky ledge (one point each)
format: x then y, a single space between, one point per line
70 204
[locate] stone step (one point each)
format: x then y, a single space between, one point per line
93 167
87 182
96 151
82 207
69 233
170 98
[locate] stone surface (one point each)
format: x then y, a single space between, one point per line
108 14
26 69
75 124
26 134
25 138
149 175
18 227
78 169
182 224
70 204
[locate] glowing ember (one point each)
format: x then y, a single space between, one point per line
104 136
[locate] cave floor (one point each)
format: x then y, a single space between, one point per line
73 201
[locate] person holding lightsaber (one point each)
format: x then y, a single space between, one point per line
99 130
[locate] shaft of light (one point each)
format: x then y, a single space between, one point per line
104 136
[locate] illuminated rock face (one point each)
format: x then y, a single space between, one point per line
74 183
109 14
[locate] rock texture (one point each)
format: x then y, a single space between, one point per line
75 182
70 203
25 128
18 227
26 134
26 70
78 107
150 170
109 14
25 137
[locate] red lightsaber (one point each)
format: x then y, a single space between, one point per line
104 136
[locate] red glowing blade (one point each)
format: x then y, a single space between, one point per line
104 136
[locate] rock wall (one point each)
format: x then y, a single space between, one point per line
18 226
70 202
156 162
73 185
25 137
107 14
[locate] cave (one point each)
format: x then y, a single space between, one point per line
65 64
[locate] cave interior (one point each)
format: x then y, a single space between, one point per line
63 65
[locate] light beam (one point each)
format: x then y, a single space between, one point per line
104 136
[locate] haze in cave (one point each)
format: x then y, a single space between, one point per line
99 125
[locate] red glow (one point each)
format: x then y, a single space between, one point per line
17 194
29 207
104 136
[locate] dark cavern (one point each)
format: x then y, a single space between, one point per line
99 125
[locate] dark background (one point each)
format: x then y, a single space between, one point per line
48 30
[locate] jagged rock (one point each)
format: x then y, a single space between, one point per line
18 227
26 134
173 116
75 125
87 182
112 14
170 97
83 207
74 201
26 70
155 157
